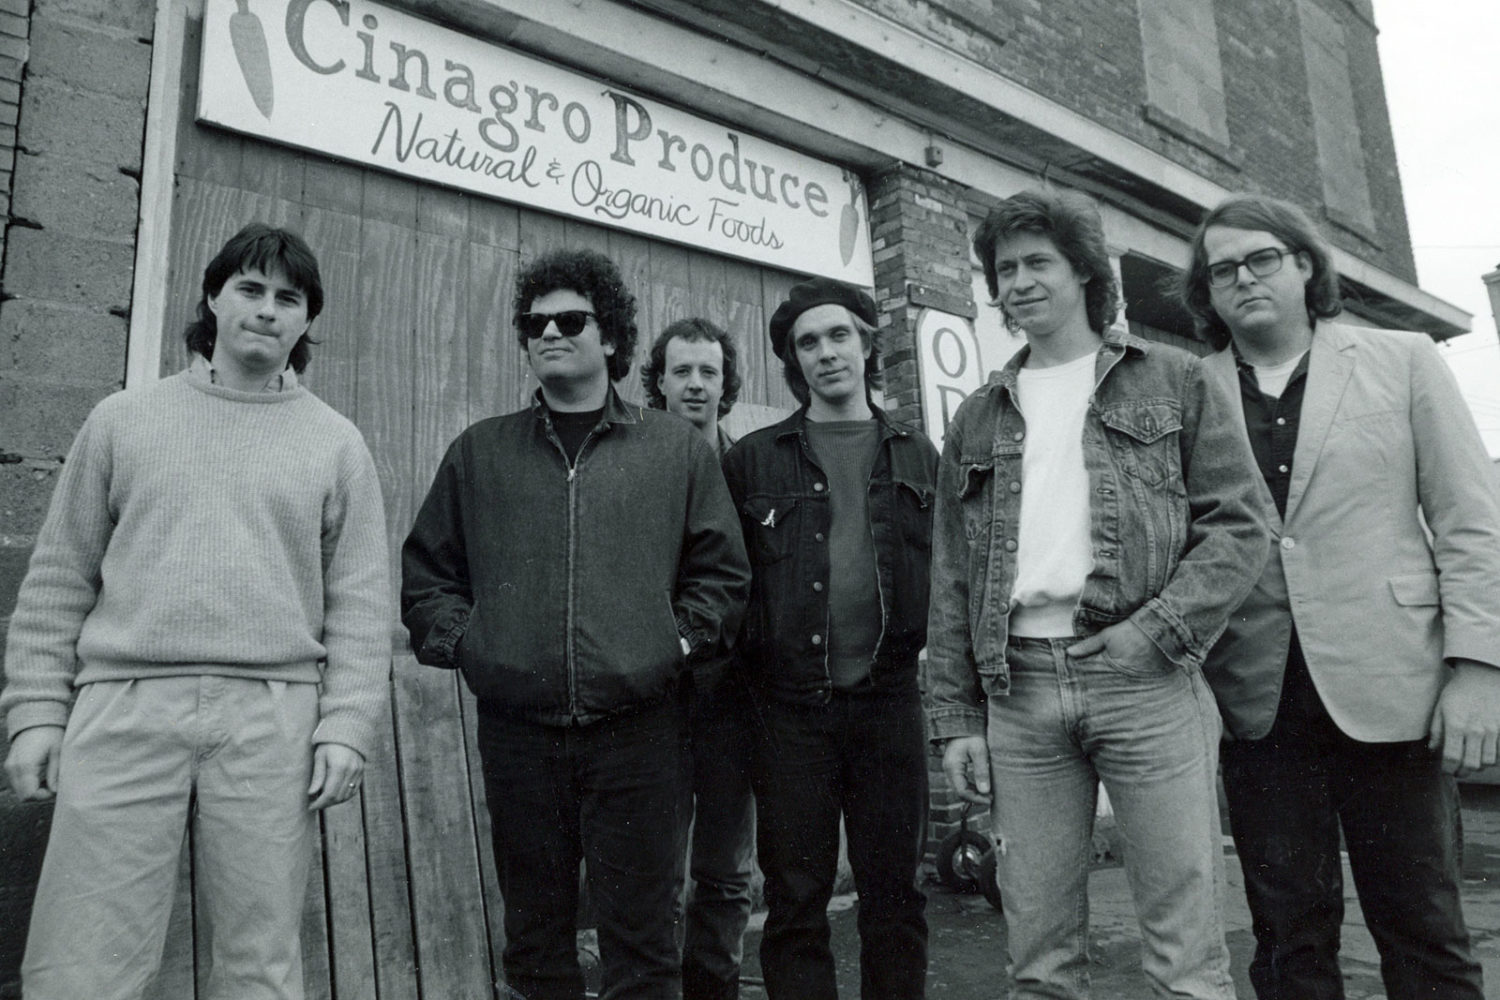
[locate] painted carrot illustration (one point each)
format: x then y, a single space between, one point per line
849 221
250 51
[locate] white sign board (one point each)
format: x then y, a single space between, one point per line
376 86
949 365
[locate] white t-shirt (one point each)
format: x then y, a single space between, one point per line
1053 555
1272 379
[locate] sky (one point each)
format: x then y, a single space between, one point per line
1442 84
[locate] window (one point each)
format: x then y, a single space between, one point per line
1341 156
1184 80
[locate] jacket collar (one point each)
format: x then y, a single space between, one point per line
796 424
726 441
616 410
1118 342
1330 363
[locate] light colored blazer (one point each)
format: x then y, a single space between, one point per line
1385 443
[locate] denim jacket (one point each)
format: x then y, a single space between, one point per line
1178 532
782 497
566 593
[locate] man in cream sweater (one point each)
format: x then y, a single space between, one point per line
201 637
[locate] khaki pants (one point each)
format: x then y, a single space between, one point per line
140 760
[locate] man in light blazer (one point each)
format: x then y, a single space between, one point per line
1361 673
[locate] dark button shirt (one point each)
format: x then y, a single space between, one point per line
1272 425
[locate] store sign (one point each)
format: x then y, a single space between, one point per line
373 85
949 365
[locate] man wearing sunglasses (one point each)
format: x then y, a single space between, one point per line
572 559
1364 664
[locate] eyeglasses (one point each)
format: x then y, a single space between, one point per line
570 322
1262 264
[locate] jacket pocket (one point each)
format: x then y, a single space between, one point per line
1413 590
974 495
1145 437
914 512
769 528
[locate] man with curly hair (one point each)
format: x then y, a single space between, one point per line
573 559
693 371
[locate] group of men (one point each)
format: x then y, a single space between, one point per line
668 631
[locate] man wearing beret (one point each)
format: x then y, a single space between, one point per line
836 506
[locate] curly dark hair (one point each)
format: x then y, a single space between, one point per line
268 250
694 328
1071 221
596 278
1283 220
791 368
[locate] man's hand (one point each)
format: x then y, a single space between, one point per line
337 771
1125 643
966 762
1466 721
32 764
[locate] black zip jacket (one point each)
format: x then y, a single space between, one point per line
566 594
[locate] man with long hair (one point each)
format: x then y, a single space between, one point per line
1095 524
201 640
1366 662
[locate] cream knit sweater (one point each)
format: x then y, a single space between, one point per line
197 529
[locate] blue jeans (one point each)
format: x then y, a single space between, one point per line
1289 794
722 855
1151 737
608 794
861 756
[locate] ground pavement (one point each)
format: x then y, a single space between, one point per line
968 936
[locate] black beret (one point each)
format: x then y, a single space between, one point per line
817 292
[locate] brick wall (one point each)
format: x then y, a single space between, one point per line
73 83
919 230
1087 55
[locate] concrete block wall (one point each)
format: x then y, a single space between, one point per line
73 85
919 229
1087 55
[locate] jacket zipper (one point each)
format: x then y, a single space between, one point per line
572 569
571 561
874 547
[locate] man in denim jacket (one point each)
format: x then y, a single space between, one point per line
1070 618
836 506
573 559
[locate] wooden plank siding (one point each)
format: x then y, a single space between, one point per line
415 342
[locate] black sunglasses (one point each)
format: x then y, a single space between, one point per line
570 322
